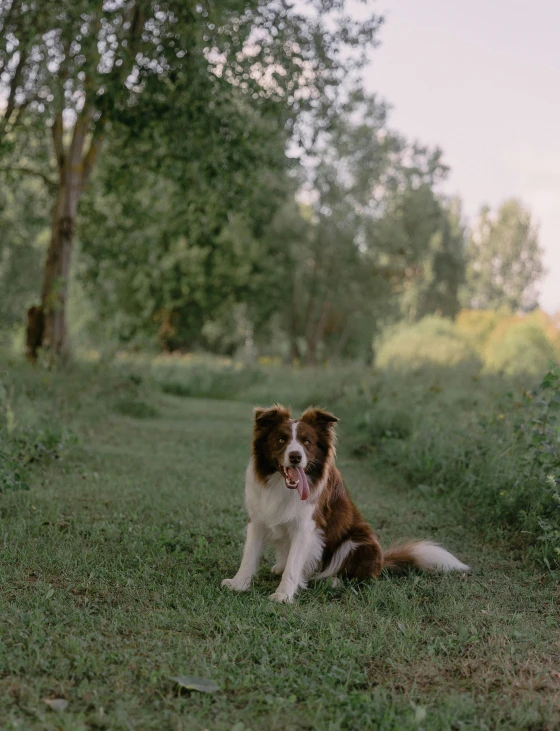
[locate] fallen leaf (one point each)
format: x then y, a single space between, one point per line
57 704
203 685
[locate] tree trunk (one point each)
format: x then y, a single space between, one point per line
73 172
35 329
295 355
342 340
315 335
54 293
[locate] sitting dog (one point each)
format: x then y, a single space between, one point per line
297 502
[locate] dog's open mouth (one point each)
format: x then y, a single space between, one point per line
295 477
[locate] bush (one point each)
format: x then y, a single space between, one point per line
431 341
520 344
477 326
524 347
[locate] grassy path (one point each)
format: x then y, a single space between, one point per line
110 584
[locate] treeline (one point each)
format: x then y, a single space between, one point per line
228 185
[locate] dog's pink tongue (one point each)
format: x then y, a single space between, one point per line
303 485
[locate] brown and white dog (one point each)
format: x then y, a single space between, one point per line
297 502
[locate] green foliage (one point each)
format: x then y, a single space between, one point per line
194 99
498 341
433 341
524 346
434 289
504 259
10 472
223 257
541 464
24 208
195 265
348 262
478 326
492 451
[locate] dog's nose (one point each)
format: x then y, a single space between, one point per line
294 457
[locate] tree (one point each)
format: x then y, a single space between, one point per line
504 259
173 226
193 232
72 66
430 230
333 289
348 265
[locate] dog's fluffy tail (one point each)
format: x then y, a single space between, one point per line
423 555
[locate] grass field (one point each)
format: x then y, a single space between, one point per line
110 574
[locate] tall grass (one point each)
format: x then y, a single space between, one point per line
259 383
31 431
39 409
489 446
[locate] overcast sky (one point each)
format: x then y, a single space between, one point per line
481 78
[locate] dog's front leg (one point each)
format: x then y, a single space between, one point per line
251 554
300 557
282 551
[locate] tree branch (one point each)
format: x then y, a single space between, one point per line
81 128
30 171
95 145
57 131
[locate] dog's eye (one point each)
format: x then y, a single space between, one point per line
281 440
306 442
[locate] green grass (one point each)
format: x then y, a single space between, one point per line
111 568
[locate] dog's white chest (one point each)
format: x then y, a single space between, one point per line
274 505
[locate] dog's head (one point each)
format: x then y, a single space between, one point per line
297 448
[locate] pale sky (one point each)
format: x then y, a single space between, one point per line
481 79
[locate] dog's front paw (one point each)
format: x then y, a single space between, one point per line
278 569
236 584
281 597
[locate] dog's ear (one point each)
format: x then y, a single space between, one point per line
265 418
319 418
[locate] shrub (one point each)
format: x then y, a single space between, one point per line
476 326
431 341
524 347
